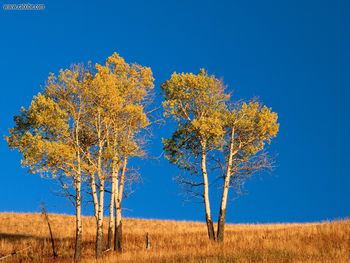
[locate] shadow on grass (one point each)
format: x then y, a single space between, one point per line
23 237
16 237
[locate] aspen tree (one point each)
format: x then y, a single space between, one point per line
209 134
133 82
249 126
116 115
196 103
87 123
48 133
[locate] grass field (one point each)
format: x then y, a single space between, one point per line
175 241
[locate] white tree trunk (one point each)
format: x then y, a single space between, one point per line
78 222
111 226
99 229
94 194
118 203
209 221
99 234
119 229
77 183
222 214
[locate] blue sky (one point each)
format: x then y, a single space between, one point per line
294 55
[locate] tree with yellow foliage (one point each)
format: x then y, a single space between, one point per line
209 134
48 133
116 113
134 83
197 103
249 126
85 126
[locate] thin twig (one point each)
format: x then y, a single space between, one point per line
14 253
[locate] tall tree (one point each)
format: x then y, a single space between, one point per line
134 83
116 110
98 97
196 103
249 126
48 133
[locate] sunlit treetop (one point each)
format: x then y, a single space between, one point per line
123 89
63 119
198 100
41 133
254 125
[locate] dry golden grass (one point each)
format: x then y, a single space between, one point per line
174 241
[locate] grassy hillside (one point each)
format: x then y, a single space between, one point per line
174 241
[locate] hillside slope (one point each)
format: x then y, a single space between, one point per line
174 241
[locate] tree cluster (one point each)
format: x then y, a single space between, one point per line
83 128
89 121
215 132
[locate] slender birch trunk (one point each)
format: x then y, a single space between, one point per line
78 222
94 194
111 225
118 239
222 214
119 224
99 234
116 191
99 229
210 225
77 183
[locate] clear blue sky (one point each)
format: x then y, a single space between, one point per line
295 55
